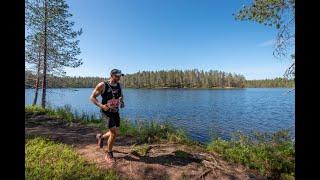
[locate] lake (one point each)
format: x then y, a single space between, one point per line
203 113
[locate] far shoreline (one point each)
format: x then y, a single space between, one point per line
178 88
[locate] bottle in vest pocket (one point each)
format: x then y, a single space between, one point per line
121 103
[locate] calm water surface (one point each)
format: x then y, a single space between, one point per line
203 113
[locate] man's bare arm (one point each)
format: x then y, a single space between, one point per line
95 93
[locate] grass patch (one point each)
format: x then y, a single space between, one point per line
152 131
37 110
272 154
64 112
46 159
127 128
141 150
143 131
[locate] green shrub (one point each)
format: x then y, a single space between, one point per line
64 112
180 136
38 110
141 150
127 128
272 154
152 131
46 159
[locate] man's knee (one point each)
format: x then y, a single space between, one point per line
113 132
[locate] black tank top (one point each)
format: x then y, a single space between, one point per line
110 92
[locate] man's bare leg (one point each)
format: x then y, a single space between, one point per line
112 136
106 135
100 138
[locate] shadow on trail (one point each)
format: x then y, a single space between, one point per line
177 158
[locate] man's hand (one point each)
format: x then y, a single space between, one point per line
105 107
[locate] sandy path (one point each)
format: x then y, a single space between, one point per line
161 162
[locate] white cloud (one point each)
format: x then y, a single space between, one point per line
270 42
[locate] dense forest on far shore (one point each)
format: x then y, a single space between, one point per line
166 79
271 83
183 79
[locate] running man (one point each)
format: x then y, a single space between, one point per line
112 98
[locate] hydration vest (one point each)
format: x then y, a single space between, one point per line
110 92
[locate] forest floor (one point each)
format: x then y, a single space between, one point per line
159 160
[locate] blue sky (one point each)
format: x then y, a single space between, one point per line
134 35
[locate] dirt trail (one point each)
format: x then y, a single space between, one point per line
163 161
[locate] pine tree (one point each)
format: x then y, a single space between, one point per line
33 58
50 20
279 14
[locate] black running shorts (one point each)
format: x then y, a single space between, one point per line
112 119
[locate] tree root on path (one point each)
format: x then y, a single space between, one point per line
209 161
214 165
204 173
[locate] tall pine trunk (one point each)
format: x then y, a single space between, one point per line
38 79
44 81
